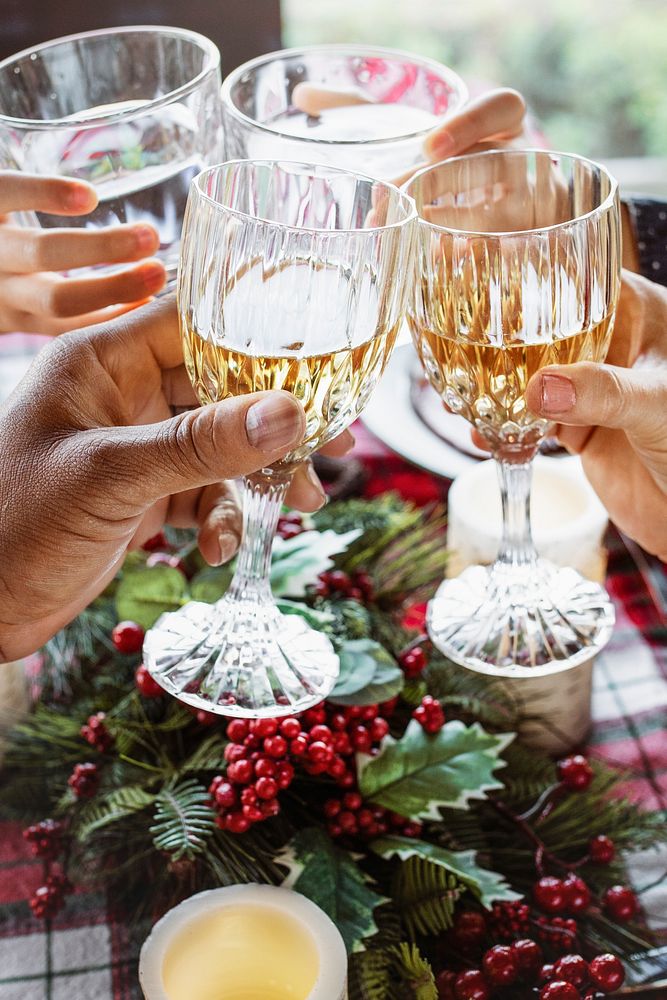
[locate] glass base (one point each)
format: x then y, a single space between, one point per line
519 618
240 658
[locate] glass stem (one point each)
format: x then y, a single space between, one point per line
516 547
263 498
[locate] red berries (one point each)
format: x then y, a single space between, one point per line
550 894
559 989
500 965
127 637
577 894
430 715
96 733
84 780
413 661
146 686
336 583
575 773
45 838
559 932
48 899
510 920
607 973
469 930
351 817
620 903
602 850
471 985
290 525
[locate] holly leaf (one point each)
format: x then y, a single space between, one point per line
368 674
297 562
313 616
331 878
420 773
211 583
487 886
144 594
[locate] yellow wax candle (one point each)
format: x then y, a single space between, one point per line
244 942
241 953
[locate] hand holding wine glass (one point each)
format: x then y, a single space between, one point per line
34 296
290 280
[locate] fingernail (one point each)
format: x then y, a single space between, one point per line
314 481
144 237
557 395
228 544
79 199
274 422
152 276
441 145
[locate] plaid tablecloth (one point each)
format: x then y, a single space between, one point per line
87 954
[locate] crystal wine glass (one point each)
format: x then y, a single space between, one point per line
292 277
518 265
135 111
382 103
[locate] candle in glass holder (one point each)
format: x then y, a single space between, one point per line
244 942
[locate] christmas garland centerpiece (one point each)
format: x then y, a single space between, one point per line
455 864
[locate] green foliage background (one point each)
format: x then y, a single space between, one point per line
593 71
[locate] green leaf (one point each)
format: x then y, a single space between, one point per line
331 878
183 822
368 674
144 594
420 773
297 562
487 886
318 619
210 584
114 807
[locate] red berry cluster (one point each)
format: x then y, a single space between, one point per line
430 714
257 770
573 978
146 686
96 733
336 583
84 780
350 816
509 921
413 661
343 731
49 898
559 932
45 838
127 637
503 966
554 895
290 525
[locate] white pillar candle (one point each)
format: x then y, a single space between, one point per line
552 702
567 519
244 942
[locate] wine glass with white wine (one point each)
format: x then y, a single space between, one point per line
518 266
292 277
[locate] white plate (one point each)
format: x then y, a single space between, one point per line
391 417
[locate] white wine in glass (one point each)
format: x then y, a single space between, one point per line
292 277
518 268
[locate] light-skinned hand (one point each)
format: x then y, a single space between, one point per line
35 297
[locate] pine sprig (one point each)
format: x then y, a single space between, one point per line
183 821
114 807
426 896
